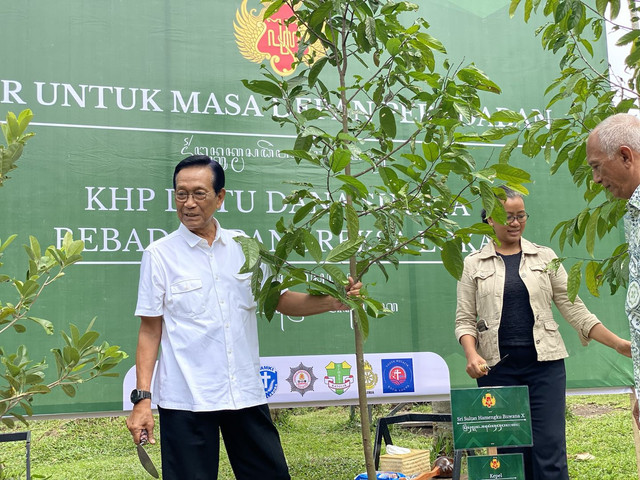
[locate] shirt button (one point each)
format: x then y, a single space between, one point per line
537 341
221 302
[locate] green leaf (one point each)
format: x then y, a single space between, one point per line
45 324
488 197
628 37
451 255
336 274
478 79
340 158
431 151
513 7
573 282
353 222
511 174
506 116
263 87
592 273
505 153
313 246
592 228
272 299
393 45
273 8
320 15
251 251
303 211
316 69
336 218
355 183
70 390
362 321
345 250
388 121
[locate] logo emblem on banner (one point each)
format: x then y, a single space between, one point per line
370 377
269 377
495 463
301 379
489 400
397 375
338 377
273 39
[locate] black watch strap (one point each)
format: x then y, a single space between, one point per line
137 395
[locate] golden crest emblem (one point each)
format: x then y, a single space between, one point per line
495 463
370 377
274 39
489 400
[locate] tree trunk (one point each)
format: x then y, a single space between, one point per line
362 401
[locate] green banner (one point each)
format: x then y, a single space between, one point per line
122 91
491 467
490 417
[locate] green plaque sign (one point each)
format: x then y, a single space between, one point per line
490 417
491 467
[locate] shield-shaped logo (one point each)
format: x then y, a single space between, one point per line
274 39
338 377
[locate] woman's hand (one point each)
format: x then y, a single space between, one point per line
477 366
624 347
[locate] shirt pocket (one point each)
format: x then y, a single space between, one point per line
484 280
242 290
541 274
187 297
553 339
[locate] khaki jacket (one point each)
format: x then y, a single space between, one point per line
480 292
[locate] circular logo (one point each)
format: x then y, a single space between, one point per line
301 379
397 375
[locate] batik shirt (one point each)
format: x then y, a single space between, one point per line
632 305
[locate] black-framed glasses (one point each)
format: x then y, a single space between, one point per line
521 217
199 196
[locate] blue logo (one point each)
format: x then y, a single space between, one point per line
269 377
397 375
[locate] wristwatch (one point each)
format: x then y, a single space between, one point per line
137 395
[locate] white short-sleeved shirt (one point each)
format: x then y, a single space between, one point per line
209 358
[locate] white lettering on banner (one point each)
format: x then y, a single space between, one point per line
217 103
10 89
231 104
107 239
144 195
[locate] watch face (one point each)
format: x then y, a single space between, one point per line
137 395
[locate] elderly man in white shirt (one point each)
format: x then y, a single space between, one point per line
193 302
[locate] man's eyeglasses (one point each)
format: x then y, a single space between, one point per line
521 217
199 196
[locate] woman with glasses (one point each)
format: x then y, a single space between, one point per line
504 315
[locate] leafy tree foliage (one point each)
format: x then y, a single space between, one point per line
363 52
594 92
80 358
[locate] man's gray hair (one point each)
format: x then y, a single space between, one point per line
616 130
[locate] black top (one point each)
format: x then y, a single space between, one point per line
516 323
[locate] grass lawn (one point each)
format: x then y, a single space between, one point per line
320 444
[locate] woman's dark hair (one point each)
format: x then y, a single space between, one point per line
508 192
198 160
